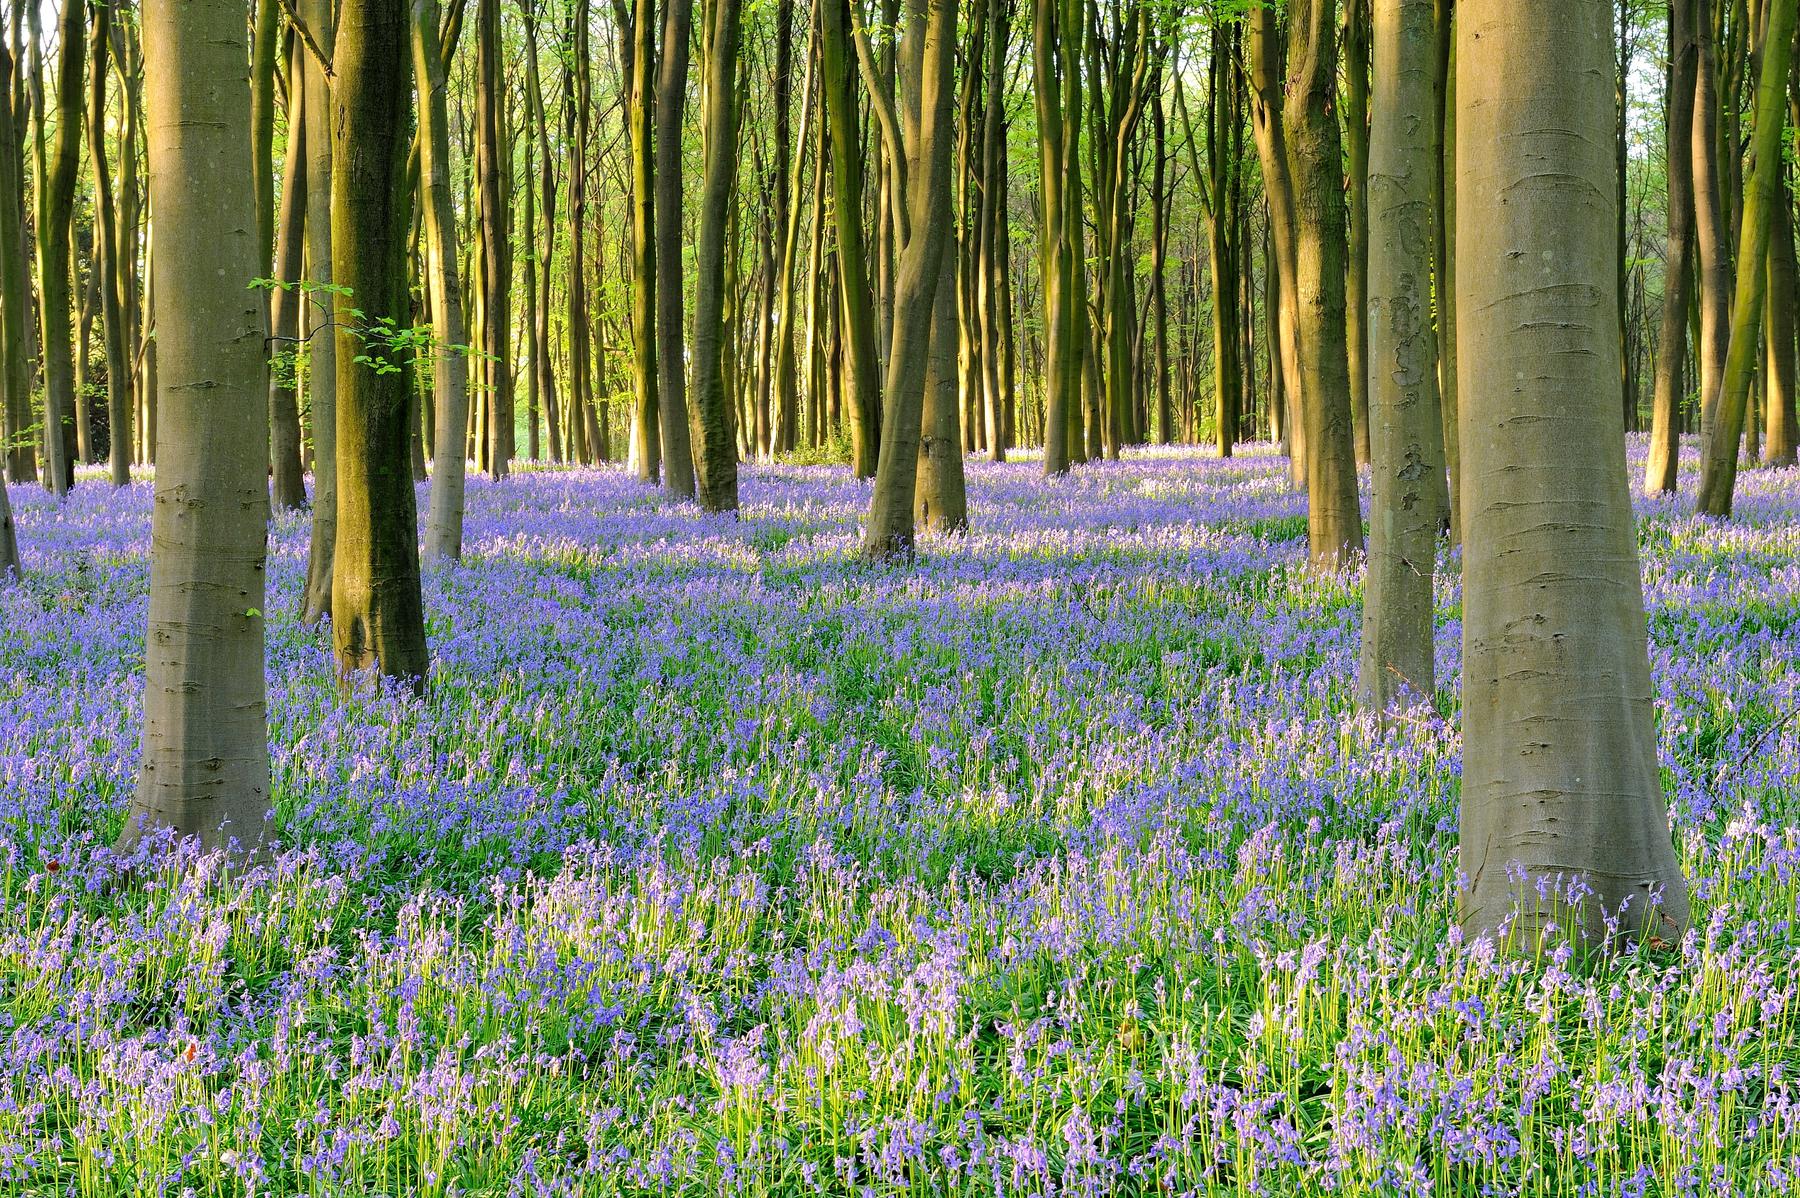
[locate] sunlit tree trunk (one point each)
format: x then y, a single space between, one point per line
1660 466
287 474
55 237
1315 163
492 170
711 423
1406 436
20 457
1712 231
1356 158
671 340
857 298
321 337
205 766
1265 87
450 364
1764 190
639 52
924 253
377 613
1560 784
1780 432
104 266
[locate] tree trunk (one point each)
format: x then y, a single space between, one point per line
1779 442
492 169
321 375
287 475
1561 795
1356 158
377 613
104 268
450 362
1278 190
1406 440
1315 163
1660 468
671 367
890 530
205 767
55 235
638 33
710 418
1711 232
858 313
1764 190
17 455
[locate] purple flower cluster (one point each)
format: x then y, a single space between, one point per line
717 861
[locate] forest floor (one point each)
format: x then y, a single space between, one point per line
717 861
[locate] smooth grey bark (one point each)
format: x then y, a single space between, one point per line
205 768
1563 825
1406 439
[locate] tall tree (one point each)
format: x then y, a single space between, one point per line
1712 229
493 170
1661 464
105 268
1406 445
1765 189
19 455
710 417
930 125
286 473
1561 793
205 768
56 253
321 335
857 298
638 29
377 612
671 347
450 364
1315 165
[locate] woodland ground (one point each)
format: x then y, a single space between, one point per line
717 861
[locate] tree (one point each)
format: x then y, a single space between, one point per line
377 612
638 34
710 417
55 237
450 365
205 769
1561 793
105 269
321 337
930 129
671 105
1660 466
1406 446
857 298
286 473
1315 155
1766 189
18 456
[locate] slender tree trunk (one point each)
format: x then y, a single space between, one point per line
1561 795
1356 157
547 161
492 170
1711 229
103 268
1779 443
55 236
1282 262
858 314
287 475
1445 267
205 767
671 105
17 455
1407 438
1765 189
942 502
1678 271
377 613
450 363
889 532
1315 158
321 375
638 34
710 418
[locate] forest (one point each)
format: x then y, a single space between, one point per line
870 597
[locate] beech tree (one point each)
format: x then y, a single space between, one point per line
205 767
1563 822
